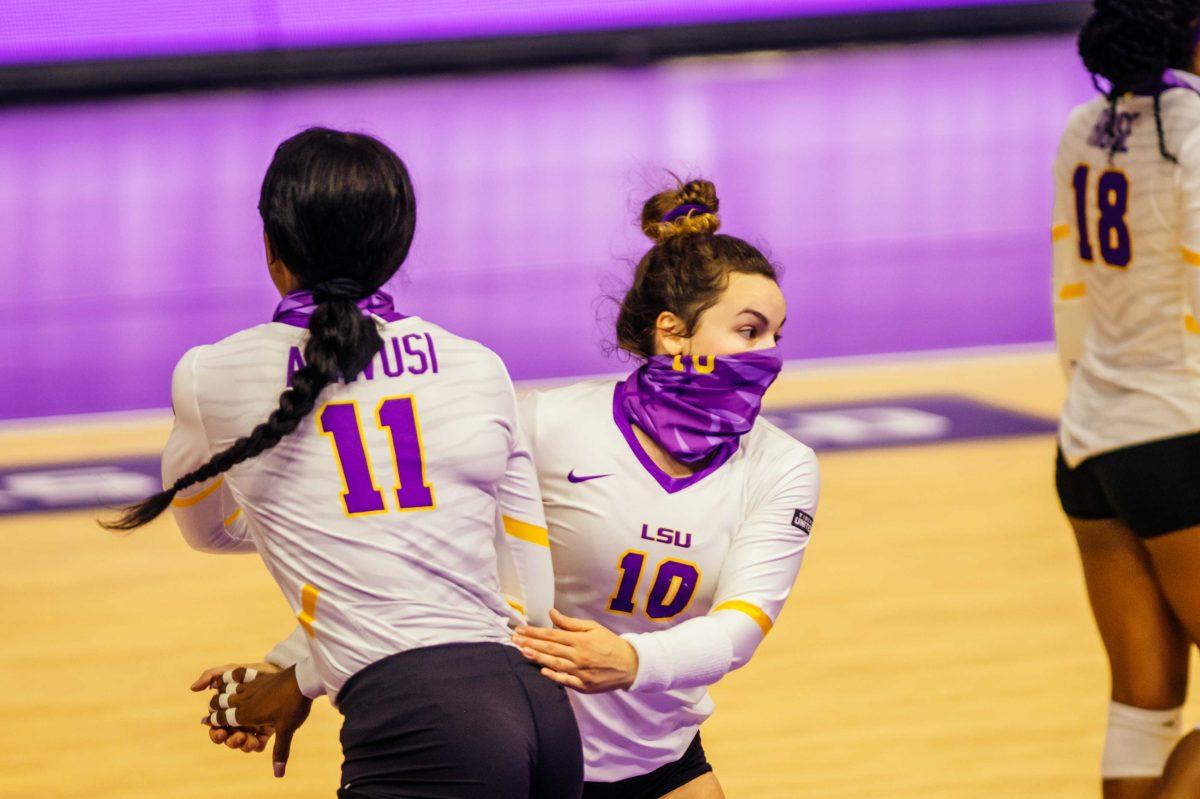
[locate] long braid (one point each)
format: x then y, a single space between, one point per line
341 342
1158 124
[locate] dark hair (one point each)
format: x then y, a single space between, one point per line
687 268
339 213
1131 43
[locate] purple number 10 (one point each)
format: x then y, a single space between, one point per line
397 415
1112 200
675 583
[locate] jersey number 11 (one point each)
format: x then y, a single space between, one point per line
361 495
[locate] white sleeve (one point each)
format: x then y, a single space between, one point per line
756 578
294 651
522 541
1071 308
206 513
1189 185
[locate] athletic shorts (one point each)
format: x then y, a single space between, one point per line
1153 488
662 780
458 721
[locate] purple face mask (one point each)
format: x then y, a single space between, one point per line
697 407
297 307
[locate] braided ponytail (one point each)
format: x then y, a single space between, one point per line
1131 44
329 199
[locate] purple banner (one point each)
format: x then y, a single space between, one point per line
864 425
40 31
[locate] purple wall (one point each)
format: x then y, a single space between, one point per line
906 192
33 31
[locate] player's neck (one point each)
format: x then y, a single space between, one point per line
660 457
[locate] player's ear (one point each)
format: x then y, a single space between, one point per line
281 276
669 334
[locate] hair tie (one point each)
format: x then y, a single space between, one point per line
338 288
684 210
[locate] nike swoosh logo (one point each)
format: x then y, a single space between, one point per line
571 476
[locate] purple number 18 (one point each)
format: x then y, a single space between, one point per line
1112 201
398 415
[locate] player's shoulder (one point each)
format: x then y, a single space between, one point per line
448 343
770 450
568 401
248 345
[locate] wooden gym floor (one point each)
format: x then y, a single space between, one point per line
937 644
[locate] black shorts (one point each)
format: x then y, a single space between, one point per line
1154 488
461 721
662 780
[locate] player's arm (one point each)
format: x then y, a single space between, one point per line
522 540
756 579
1189 185
206 513
1071 308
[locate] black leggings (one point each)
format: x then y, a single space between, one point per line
461 721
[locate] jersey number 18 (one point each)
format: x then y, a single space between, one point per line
1112 200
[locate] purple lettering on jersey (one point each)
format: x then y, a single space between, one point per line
295 363
432 353
424 367
665 535
1112 134
664 602
339 420
390 369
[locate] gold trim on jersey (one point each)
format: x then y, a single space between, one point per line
526 531
1072 291
230 518
754 612
1191 256
517 606
187 502
308 608
1191 324
1060 232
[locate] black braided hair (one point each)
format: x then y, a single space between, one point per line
1131 43
338 210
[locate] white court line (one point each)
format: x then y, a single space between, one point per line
842 362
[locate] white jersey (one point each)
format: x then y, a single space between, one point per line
646 555
1126 278
389 516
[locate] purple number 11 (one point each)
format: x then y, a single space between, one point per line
398 415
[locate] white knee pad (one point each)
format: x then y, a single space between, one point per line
1139 741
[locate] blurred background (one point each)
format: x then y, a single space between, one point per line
892 156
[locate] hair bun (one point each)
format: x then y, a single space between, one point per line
689 209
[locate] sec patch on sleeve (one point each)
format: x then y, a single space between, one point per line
802 521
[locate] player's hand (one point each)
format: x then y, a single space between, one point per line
579 654
262 703
235 739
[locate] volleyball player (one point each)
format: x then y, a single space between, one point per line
386 491
1126 233
678 518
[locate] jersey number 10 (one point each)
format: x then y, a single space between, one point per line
675 583
398 415
1112 200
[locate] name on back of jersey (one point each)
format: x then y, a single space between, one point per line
412 354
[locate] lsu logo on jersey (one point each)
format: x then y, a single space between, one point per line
665 535
1112 134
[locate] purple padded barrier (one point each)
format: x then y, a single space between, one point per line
33 31
905 191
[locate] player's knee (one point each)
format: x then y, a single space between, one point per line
1139 741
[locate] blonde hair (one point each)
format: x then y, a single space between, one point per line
702 219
